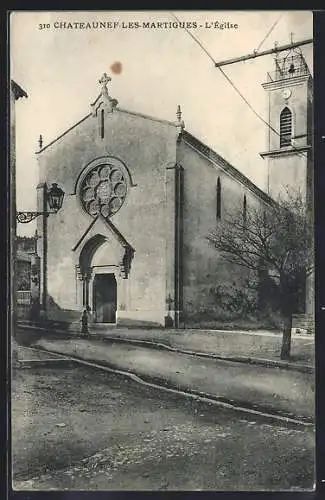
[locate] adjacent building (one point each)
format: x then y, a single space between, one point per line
16 92
27 275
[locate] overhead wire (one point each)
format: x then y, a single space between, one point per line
270 31
198 42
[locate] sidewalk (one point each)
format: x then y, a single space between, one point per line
253 347
271 390
258 347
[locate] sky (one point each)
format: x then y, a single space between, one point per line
59 68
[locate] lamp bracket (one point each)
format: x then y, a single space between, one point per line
25 217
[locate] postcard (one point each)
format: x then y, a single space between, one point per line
162 271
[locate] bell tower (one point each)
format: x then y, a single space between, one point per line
289 140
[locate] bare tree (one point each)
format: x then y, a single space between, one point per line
277 239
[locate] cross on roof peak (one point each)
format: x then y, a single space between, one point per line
104 81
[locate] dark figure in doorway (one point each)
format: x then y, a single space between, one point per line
85 321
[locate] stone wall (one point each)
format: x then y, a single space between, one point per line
205 271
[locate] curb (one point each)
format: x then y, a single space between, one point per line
163 384
268 363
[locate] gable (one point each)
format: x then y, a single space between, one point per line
103 243
126 137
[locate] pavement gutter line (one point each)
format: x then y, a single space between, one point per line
205 399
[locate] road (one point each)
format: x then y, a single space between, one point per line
85 429
286 392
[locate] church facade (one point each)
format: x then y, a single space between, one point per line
141 195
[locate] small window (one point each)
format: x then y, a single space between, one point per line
285 127
102 124
245 211
218 212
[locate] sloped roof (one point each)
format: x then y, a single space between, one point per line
121 110
225 165
193 141
17 90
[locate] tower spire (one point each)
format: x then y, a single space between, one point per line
276 57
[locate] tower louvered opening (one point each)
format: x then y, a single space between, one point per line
285 127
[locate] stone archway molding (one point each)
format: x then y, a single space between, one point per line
85 249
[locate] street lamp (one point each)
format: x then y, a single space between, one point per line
54 198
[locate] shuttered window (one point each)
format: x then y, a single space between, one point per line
285 127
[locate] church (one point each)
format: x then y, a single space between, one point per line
141 195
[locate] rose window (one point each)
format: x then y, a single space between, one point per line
103 190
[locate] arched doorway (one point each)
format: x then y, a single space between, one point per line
103 265
104 298
84 269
